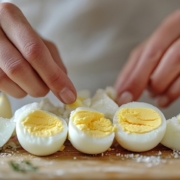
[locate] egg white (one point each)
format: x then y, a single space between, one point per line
7 127
104 104
171 138
84 142
139 142
40 146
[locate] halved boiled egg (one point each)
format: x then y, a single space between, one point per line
89 131
171 138
140 126
39 132
7 125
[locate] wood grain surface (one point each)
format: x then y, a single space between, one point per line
116 163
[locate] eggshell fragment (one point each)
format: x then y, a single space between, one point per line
7 127
171 138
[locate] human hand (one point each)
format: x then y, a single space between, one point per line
154 65
29 64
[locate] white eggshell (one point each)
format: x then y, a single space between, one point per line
171 138
84 142
104 104
111 92
85 94
139 142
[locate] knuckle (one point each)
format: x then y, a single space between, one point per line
14 67
32 51
154 54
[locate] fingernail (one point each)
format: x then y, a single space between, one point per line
162 101
67 96
125 98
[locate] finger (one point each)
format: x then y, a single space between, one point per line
55 55
19 70
167 70
172 94
8 86
36 53
154 49
124 93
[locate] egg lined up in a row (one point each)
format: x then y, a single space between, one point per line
136 127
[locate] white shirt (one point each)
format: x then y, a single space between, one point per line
95 37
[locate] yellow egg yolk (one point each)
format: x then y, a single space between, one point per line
42 124
138 120
93 123
77 103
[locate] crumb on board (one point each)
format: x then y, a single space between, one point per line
62 148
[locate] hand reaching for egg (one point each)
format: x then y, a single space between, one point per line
154 65
34 66
91 124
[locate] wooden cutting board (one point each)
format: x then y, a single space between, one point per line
116 163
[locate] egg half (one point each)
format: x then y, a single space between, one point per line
140 126
5 106
89 131
7 125
40 132
171 138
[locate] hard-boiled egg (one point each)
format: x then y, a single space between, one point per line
171 138
5 106
39 132
140 126
89 131
7 125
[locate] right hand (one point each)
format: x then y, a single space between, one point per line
29 64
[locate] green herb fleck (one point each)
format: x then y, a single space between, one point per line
23 166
